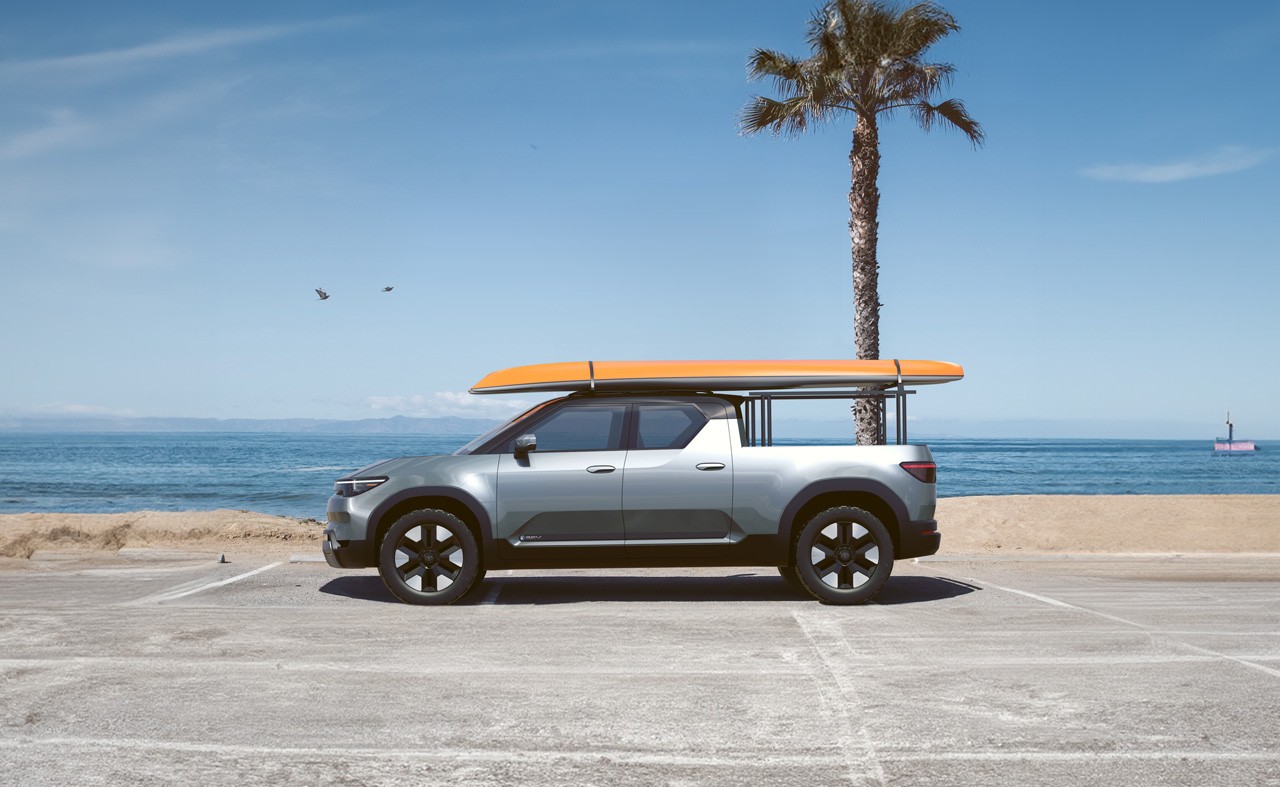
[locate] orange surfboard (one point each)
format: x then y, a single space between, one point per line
713 375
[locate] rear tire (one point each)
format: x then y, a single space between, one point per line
429 557
843 555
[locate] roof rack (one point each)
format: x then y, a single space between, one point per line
758 411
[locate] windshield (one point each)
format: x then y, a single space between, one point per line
492 433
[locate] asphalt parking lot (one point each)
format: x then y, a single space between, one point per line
1139 670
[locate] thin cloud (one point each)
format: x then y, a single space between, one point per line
64 128
164 49
615 50
622 49
446 403
1218 162
67 129
108 239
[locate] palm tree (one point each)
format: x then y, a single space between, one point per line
867 59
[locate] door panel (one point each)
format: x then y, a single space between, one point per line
560 500
550 505
670 506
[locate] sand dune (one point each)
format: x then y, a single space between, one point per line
970 525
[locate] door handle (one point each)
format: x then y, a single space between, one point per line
601 469
711 466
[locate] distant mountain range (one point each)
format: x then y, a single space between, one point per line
399 424
922 430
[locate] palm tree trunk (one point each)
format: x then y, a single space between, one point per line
864 228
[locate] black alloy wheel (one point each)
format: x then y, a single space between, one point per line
844 555
429 557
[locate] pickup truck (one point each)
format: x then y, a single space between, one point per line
601 479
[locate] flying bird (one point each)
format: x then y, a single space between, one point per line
324 296
388 289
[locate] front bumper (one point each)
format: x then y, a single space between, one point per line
918 539
344 554
344 537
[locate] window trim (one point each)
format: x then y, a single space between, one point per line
634 441
628 410
711 406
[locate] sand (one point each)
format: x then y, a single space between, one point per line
202 532
970 525
1110 523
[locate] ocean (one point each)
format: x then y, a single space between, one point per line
293 474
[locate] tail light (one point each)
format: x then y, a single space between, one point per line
926 472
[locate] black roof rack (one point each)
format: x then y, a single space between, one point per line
758 412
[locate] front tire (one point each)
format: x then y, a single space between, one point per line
844 555
792 578
429 557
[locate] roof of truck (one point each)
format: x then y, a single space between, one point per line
714 375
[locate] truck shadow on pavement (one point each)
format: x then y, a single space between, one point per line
508 590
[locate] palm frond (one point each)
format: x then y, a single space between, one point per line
768 63
863 30
790 117
918 28
788 73
909 81
950 113
866 58
823 35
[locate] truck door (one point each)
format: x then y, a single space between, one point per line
565 498
677 488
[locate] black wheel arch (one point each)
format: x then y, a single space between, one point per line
870 495
445 498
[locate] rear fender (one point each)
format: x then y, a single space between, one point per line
835 486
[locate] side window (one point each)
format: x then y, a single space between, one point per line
667 426
589 428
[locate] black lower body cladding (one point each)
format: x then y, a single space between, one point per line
918 539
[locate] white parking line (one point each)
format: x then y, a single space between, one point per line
1134 624
182 591
824 635
1056 603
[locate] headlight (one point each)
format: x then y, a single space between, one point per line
356 486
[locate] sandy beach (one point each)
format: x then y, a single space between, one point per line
23 536
1110 523
970 525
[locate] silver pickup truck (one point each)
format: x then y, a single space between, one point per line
594 480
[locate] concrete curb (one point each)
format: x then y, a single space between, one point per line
141 553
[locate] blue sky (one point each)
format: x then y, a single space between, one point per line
563 180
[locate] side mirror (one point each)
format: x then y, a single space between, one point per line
524 444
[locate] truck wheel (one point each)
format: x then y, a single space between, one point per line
429 557
844 556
